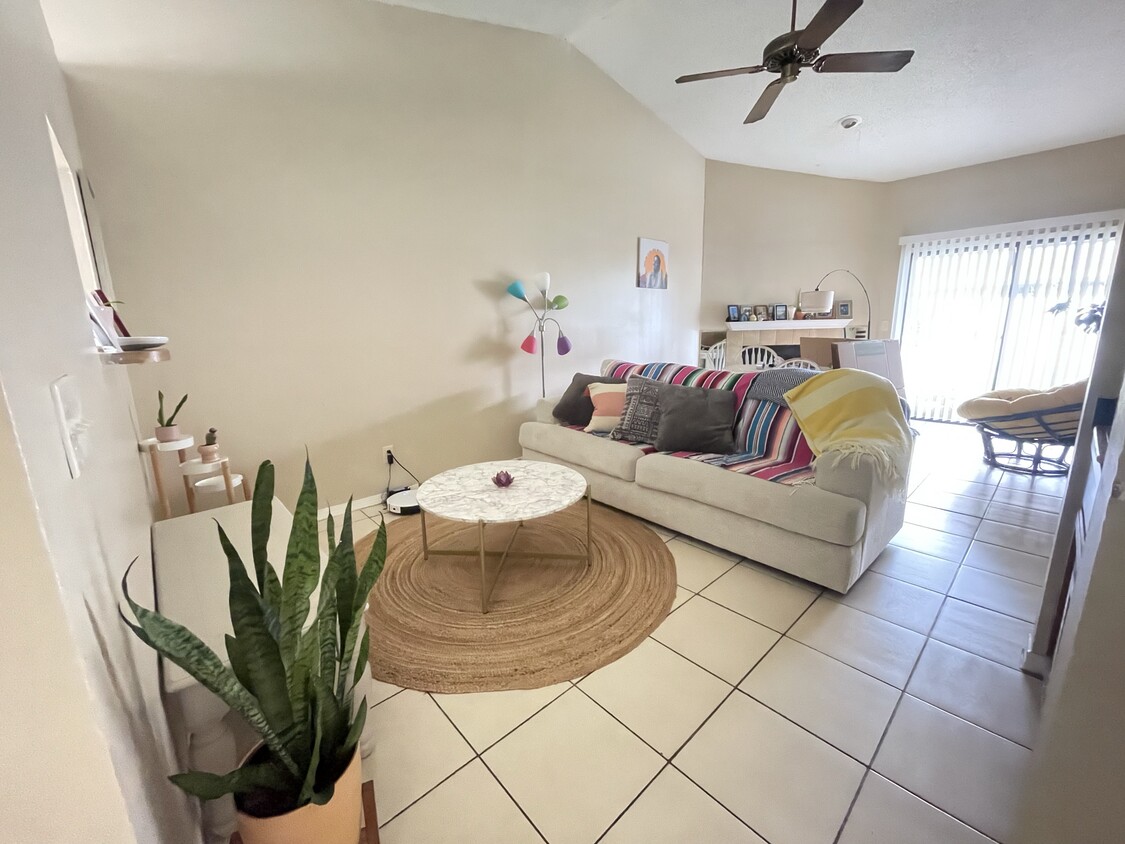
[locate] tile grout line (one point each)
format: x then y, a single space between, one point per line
480 756
734 688
668 760
887 727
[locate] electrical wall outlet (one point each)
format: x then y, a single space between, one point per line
388 454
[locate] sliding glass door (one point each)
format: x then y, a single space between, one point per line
994 308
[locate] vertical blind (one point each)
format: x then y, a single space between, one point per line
994 308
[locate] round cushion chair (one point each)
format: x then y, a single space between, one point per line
1024 423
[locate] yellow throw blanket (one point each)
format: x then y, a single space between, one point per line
848 411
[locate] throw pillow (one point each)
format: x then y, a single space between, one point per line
575 407
696 419
641 418
608 401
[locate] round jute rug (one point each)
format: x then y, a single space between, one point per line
549 620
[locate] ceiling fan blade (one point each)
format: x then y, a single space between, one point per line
765 102
889 61
830 18
716 74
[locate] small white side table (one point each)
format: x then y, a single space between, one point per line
190 470
154 447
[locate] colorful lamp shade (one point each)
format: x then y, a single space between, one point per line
531 343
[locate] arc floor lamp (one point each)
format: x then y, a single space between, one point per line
817 301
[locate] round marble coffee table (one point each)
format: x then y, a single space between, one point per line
467 494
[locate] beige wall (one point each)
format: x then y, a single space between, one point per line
770 234
1072 180
323 213
53 751
76 690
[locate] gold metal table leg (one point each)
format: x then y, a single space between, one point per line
483 570
588 546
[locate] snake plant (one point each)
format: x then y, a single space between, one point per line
171 420
290 677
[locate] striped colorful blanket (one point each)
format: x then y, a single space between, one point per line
768 440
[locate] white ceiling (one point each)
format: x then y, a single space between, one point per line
990 79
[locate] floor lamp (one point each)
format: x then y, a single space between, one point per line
531 343
817 301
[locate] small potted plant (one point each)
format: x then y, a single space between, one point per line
166 429
291 677
209 451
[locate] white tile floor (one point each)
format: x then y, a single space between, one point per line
764 709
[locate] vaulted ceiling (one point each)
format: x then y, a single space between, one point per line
990 79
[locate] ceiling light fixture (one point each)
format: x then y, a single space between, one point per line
849 122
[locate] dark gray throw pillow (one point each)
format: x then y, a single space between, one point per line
696 419
640 420
575 407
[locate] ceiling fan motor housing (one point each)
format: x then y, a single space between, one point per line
783 51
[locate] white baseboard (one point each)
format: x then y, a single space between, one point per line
357 504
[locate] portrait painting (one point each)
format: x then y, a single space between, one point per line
652 263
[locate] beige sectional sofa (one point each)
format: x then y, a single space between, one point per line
827 532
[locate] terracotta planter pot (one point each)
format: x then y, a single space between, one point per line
209 453
169 433
336 822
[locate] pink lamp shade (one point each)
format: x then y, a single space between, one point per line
564 344
530 344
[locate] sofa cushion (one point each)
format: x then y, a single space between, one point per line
696 419
594 451
689 376
609 403
805 509
640 420
575 406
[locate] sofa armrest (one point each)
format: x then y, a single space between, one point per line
543 408
857 476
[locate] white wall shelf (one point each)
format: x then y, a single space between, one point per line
789 325
145 356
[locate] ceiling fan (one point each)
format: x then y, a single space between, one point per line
798 49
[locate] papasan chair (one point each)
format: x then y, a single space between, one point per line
1025 422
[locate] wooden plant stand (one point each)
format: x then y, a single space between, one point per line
370 832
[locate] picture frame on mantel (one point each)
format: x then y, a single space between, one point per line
744 313
762 312
780 311
734 313
843 309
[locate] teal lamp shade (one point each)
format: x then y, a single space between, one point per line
564 344
516 289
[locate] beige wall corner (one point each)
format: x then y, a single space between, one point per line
769 234
75 681
323 213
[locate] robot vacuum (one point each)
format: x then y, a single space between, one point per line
403 503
